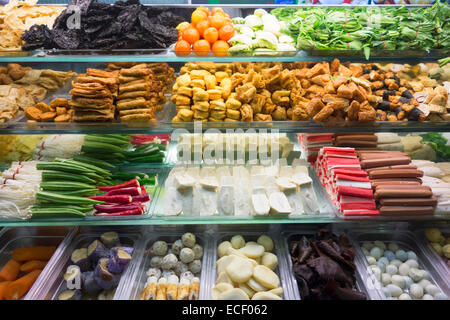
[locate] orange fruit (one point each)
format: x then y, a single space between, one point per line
226 32
197 16
202 26
204 9
211 35
191 35
201 47
217 10
182 48
183 25
217 21
220 48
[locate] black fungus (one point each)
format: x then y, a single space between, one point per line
387 93
384 105
407 94
415 114
123 25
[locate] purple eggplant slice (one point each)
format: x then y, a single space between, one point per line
110 239
89 285
104 278
129 250
118 261
80 258
97 251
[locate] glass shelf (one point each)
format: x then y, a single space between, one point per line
168 55
171 127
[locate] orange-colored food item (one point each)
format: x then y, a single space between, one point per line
204 9
17 289
34 253
191 35
10 271
182 48
216 10
183 25
202 26
201 47
217 21
3 286
211 35
220 48
33 265
198 15
226 32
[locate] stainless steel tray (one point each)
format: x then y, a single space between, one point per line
52 284
136 283
14 238
309 231
406 240
250 234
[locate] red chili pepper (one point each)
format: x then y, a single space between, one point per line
133 191
141 198
132 212
121 198
128 184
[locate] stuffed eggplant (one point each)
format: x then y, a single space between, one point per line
110 239
80 258
90 286
97 251
118 260
105 279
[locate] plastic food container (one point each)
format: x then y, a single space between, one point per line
406 241
53 283
440 263
291 235
19 237
135 287
251 235
326 207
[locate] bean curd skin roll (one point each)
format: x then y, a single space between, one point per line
172 288
194 289
149 292
161 290
184 288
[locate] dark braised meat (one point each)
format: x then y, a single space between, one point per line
324 268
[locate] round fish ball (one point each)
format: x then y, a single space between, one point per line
368 245
376 252
411 255
379 244
181 268
177 246
386 292
403 269
404 296
167 273
160 248
188 240
391 269
195 266
398 281
426 275
393 246
187 255
169 262
401 255
155 262
416 274
382 266
412 263
395 291
198 251
408 281
389 255
222 249
432 289
416 291
383 260
441 296
427 297
371 260
365 251
377 272
385 279
424 283
266 242
396 262
237 242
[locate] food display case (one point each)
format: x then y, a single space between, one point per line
192 152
